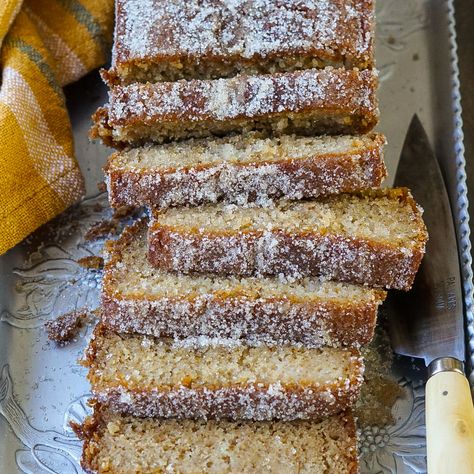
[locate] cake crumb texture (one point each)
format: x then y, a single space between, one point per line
123 445
243 169
151 377
138 298
376 238
65 327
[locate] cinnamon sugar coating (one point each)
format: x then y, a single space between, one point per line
243 169
65 327
147 377
136 298
374 238
158 40
303 102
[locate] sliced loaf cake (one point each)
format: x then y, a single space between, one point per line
138 298
311 101
123 445
150 377
244 168
376 238
158 40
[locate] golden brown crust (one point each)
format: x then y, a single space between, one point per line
237 98
176 40
233 314
312 324
317 175
91 262
246 402
337 257
310 101
90 432
65 327
372 264
233 401
100 128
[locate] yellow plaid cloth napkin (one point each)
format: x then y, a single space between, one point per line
45 44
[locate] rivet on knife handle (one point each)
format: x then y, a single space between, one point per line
449 419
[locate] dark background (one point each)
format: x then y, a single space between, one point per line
465 29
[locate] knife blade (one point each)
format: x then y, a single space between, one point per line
428 321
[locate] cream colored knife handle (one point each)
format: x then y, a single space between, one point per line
449 420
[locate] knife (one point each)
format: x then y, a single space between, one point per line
427 322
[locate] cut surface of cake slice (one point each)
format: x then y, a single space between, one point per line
312 101
158 40
149 377
138 298
124 444
376 238
244 168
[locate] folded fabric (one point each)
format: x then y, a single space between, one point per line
45 44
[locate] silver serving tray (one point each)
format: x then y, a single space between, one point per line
42 388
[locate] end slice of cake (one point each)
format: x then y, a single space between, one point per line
159 40
312 101
217 447
244 168
151 377
138 298
376 238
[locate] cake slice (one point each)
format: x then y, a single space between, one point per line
149 377
137 298
160 40
244 168
303 102
376 238
124 444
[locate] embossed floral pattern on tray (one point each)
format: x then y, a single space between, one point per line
52 280
393 449
46 281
